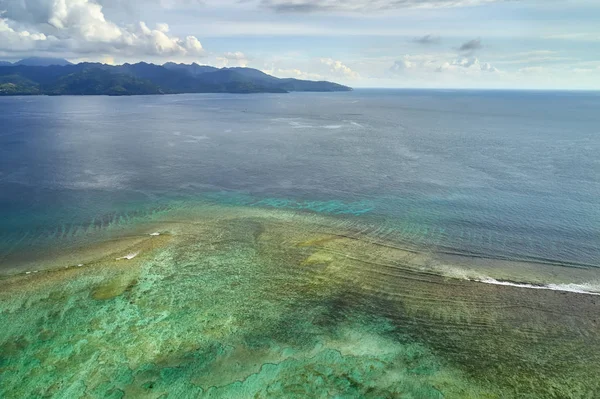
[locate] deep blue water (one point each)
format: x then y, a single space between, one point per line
506 174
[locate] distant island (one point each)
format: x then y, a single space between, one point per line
55 76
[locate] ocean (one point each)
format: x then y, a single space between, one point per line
507 175
371 244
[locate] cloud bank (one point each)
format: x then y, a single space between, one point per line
355 42
427 63
365 5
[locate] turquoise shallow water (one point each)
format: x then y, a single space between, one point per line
239 301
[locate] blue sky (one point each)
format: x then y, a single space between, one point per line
379 43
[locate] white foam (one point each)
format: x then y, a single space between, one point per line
298 125
155 234
197 138
80 265
575 288
332 127
356 124
129 256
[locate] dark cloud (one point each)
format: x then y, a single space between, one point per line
31 11
292 7
471 45
428 39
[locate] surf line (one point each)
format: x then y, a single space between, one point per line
574 288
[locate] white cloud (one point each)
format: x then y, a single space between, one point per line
231 59
533 56
583 36
441 70
418 62
337 68
584 71
468 65
299 67
532 70
293 73
81 27
19 40
402 65
237 55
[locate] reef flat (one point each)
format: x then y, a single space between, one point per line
238 302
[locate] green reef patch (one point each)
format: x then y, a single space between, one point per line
247 302
333 207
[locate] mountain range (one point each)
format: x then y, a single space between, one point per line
55 76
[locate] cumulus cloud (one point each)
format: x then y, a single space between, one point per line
428 39
289 66
338 69
293 73
443 69
401 65
428 63
419 62
81 27
20 40
362 5
237 55
236 58
468 65
471 45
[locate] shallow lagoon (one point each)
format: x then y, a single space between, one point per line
233 301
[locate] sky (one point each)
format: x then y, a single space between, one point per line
505 44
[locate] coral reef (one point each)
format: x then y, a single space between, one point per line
240 301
